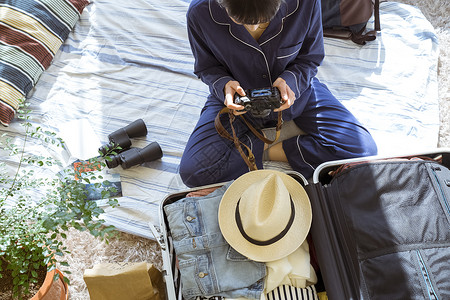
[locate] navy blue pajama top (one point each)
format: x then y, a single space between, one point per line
291 47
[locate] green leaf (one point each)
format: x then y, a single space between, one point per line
49 224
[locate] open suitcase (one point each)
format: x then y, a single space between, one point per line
380 230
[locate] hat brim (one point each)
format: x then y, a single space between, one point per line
295 236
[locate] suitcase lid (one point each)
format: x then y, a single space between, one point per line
321 174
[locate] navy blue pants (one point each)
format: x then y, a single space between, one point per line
332 133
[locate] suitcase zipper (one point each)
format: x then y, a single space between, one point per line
159 238
444 198
426 278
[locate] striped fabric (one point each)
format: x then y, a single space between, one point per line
31 32
131 59
283 292
287 292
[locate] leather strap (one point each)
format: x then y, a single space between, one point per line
260 135
249 158
361 38
377 15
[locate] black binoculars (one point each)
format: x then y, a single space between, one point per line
120 142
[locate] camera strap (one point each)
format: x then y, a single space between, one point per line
248 158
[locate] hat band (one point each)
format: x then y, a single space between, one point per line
278 237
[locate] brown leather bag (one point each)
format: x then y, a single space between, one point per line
347 19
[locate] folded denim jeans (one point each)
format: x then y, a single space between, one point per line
209 266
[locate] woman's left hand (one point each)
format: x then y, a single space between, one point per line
287 95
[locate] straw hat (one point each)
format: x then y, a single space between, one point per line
265 215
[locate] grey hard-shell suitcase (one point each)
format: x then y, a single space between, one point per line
380 230
381 227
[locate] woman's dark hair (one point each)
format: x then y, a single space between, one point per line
251 12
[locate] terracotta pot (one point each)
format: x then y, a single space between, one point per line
53 290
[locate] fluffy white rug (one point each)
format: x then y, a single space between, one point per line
87 251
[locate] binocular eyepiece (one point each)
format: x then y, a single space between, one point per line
120 142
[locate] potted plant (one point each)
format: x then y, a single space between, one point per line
36 210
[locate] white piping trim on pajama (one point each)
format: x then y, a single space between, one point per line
284 56
296 82
214 84
301 154
265 59
282 24
251 46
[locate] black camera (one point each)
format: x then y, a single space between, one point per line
119 145
135 156
122 137
259 102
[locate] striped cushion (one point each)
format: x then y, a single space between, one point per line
31 32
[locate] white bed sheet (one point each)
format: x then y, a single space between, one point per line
131 59
390 84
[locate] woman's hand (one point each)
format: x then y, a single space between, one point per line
230 89
287 95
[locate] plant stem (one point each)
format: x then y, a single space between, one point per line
20 164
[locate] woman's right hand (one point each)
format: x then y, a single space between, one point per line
230 89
